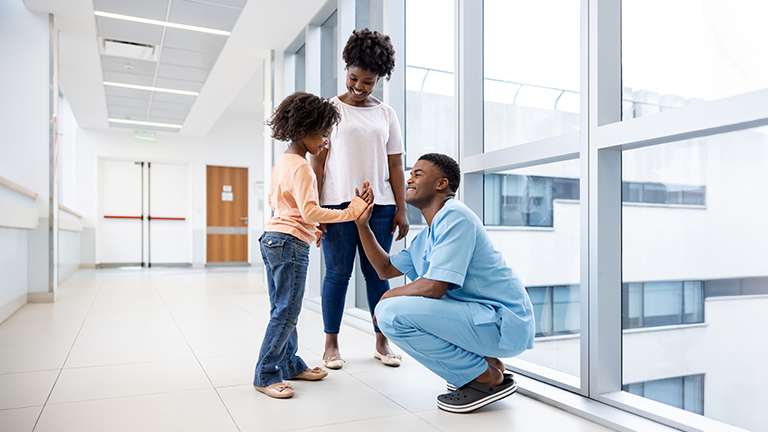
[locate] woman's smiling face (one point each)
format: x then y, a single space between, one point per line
360 83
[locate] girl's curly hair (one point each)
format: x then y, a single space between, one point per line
301 115
371 51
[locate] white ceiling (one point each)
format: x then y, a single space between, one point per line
227 71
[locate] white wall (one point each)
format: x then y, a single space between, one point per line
24 108
236 140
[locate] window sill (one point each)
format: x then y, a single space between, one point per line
664 328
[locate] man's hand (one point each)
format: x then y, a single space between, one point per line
367 194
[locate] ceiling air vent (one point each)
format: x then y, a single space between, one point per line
126 49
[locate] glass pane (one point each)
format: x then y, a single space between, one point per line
531 70
329 51
538 234
301 69
703 269
370 14
697 50
429 79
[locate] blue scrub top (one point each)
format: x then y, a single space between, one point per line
456 249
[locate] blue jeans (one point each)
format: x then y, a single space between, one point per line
285 259
339 246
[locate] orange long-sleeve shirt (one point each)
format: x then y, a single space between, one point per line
293 197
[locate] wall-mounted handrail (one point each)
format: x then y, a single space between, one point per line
17 188
70 211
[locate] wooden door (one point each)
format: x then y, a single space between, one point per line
227 231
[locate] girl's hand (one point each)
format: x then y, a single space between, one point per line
319 236
401 223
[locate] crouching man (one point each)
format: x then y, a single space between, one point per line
465 308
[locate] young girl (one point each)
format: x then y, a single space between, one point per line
306 121
366 145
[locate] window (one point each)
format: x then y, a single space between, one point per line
651 304
685 392
660 193
698 51
531 70
556 309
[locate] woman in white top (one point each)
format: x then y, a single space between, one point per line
366 145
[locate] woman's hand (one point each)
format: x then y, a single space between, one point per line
401 223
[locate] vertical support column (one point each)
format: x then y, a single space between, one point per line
584 201
53 179
313 49
605 336
394 89
469 97
346 24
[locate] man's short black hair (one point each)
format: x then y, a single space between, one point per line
371 51
448 166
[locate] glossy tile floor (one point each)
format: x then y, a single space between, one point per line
171 349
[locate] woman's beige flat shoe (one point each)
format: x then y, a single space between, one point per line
393 360
335 362
279 390
312 374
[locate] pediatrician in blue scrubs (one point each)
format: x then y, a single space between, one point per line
465 307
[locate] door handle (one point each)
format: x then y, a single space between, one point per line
244 218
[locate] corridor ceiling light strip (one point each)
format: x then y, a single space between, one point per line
144 123
157 89
161 23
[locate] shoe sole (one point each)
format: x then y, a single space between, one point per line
479 403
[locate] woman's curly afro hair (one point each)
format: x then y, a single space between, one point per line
301 115
371 51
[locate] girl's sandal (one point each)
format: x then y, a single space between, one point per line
278 390
312 374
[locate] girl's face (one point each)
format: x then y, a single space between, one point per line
360 83
317 142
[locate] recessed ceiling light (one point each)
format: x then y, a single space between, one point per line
148 88
161 23
128 66
145 123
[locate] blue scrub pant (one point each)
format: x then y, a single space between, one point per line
441 335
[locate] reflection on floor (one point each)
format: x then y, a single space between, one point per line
174 349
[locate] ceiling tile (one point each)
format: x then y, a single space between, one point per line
174 115
166 120
182 73
123 111
170 106
110 28
128 102
178 84
231 3
203 15
126 78
175 98
117 64
194 41
128 93
152 9
188 58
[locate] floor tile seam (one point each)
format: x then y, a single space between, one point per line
21 407
380 393
55 381
213 386
126 364
138 395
